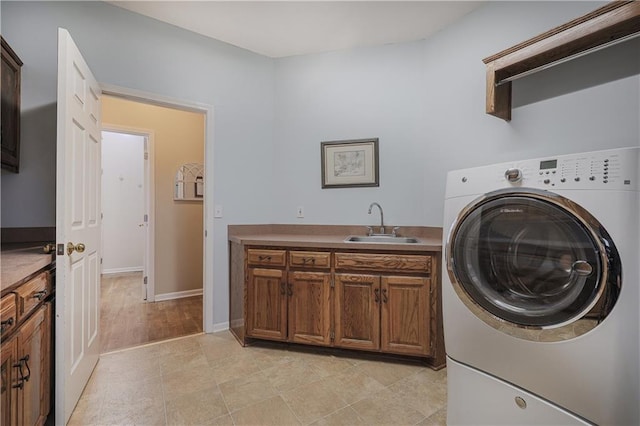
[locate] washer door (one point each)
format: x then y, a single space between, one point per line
533 264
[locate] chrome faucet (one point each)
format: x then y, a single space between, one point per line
381 218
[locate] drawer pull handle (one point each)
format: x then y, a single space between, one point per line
6 324
311 260
384 295
376 292
39 294
262 258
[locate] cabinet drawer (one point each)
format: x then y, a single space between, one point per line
384 262
310 259
32 293
8 313
266 257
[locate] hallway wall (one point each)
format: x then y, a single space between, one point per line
178 138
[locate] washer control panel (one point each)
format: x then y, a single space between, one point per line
613 169
596 169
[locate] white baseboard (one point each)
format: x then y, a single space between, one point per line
122 270
178 295
221 326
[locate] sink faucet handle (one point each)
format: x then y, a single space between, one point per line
369 230
394 232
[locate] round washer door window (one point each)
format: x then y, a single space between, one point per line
533 259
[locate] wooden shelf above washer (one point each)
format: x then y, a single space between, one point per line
610 24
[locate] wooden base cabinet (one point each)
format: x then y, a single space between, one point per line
357 323
309 310
8 389
25 367
405 315
288 306
383 313
266 304
371 301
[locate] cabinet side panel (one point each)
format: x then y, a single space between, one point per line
237 287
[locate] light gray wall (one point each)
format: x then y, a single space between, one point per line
129 50
425 101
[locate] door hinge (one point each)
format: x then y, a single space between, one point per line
146 218
101 261
145 280
332 335
146 155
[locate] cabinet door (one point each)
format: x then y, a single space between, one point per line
10 108
405 315
309 307
9 376
357 299
267 304
32 353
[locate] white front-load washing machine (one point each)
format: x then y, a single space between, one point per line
541 291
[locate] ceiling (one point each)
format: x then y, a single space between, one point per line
286 28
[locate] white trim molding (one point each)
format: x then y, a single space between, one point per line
178 295
122 270
221 326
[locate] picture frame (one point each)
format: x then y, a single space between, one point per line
349 163
199 187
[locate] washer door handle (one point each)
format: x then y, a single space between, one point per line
582 268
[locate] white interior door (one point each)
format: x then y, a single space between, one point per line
77 224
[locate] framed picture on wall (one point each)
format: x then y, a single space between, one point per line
199 189
349 163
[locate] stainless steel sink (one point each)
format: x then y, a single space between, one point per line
385 239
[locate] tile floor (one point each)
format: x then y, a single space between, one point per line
212 380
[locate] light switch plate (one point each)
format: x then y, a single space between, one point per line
300 211
217 212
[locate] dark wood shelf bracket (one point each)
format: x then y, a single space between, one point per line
611 24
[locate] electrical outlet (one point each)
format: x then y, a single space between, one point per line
217 211
300 211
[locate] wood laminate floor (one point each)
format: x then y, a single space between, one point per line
126 320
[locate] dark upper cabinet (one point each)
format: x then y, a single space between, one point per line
10 113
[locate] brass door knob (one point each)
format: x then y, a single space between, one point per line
71 248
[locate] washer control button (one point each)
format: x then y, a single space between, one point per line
563 180
592 178
547 181
577 178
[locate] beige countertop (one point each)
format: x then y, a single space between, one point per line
331 236
18 261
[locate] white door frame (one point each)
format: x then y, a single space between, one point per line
208 238
149 203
